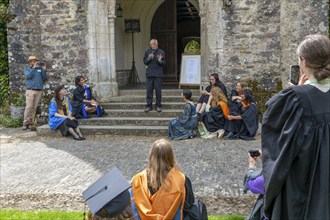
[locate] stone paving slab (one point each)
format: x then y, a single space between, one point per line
51 172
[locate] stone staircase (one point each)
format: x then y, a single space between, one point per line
126 116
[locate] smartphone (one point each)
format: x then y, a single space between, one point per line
254 153
294 74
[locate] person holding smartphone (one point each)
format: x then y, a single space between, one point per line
35 76
254 181
296 138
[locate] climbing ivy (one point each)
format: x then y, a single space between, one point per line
4 73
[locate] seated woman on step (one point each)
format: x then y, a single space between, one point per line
244 124
60 116
184 126
84 102
214 81
161 191
216 113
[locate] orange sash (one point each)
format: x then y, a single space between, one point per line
224 108
165 202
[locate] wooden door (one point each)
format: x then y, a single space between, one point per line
163 28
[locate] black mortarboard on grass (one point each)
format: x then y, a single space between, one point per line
108 196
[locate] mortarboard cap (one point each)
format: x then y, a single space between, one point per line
108 192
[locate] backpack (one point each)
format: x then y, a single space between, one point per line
197 211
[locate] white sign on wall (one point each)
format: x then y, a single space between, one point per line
190 74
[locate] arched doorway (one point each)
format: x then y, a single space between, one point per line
173 22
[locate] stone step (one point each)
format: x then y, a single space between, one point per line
140 98
140 113
160 131
165 92
126 121
140 105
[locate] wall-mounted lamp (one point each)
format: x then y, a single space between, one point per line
119 12
227 3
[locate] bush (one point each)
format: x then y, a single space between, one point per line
9 122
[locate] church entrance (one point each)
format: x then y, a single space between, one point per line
174 24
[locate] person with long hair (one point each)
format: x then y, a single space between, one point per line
185 126
295 139
84 102
161 191
235 97
216 113
205 94
244 123
60 115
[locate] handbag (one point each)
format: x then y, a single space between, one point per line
202 129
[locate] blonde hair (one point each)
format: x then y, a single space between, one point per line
218 95
161 161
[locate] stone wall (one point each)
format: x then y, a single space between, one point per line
249 40
256 40
55 32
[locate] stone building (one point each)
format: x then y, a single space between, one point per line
240 39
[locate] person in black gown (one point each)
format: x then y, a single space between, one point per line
204 98
296 140
243 122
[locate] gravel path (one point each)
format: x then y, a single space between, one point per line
51 172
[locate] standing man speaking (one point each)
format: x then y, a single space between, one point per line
35 75
154 59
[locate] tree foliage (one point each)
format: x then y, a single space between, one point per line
4 73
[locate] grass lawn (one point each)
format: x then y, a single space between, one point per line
40 215
59 215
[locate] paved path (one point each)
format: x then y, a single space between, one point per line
51 173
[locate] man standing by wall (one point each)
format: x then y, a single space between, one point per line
154 59
35 75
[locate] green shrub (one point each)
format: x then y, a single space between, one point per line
9 122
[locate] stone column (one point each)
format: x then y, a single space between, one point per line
102 48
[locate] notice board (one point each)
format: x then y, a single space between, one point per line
190 73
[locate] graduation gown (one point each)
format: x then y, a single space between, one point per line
214 119
295 146
246 128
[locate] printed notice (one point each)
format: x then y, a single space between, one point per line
190 70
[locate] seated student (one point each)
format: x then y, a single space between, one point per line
161 191
60 116
235 97
184 126
214 81
84 102
244 124
216 112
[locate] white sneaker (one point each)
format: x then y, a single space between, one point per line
221 133
210 135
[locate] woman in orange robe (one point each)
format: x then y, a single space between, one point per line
159 192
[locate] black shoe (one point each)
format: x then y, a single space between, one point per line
147 109
78 138
230 135
82 137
